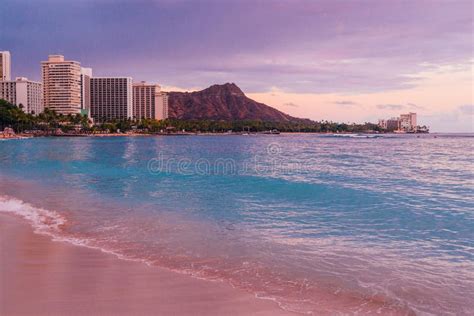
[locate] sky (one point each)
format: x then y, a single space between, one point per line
345 61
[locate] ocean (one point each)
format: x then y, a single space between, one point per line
322 224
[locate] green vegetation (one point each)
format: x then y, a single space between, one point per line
255 126
49 122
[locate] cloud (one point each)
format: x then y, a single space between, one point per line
291 104
303 46
180 89
390 106
346 103
466 109
408 106
415 106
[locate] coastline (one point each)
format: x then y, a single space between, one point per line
40 276
105 135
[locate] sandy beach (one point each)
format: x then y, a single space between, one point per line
39 276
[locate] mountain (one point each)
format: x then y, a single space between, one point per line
222 102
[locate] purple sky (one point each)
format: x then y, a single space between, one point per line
296 47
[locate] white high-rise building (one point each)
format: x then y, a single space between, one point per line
61 85
5 66
111 98
408 122
26 94
149 102
162 106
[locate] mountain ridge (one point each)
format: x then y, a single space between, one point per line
225 102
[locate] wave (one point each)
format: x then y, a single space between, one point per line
52 224
15 138
329 235
43 221
291 295
354 136
316 293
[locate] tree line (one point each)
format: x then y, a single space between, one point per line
50 121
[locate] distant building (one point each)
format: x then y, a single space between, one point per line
149 102
61 85
162 106
8 91
405 123
5 66
408 122
86 74
382 123
26 94
393 124
111 98
30 95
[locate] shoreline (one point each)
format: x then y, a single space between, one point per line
40 276
26 136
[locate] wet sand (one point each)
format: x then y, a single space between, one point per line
39 276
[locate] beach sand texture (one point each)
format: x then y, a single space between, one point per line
39 276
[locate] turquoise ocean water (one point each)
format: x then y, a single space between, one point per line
322 224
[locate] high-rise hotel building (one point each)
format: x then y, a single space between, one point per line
5 66
86 75
111 98
408 122
149 102
61 85
26 94
162 102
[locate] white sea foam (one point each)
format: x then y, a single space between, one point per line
47 222
355 135
43 221
53 224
